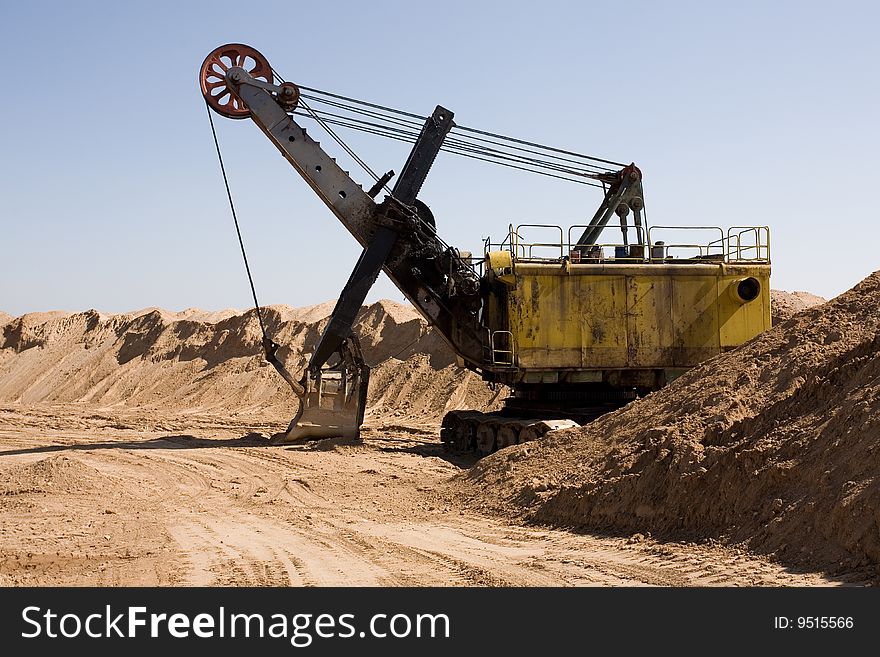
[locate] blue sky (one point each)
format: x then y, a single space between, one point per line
737 113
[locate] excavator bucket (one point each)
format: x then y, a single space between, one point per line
334 400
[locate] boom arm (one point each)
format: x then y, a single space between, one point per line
377 251
398 234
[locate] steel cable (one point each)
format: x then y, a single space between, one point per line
247 267
391 123
533 162
461 148
316 95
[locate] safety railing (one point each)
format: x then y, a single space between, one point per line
537 250
606 251
549 243
748 243
686 243
489 245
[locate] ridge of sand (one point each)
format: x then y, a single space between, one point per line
199 361
784 305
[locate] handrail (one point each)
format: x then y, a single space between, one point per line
739 244
531 245
760 246
573 243
496 351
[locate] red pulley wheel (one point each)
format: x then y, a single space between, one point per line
212 77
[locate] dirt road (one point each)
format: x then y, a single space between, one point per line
103 497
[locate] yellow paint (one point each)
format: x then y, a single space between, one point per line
606 317
500 265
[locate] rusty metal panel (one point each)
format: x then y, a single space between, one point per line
650 321
646 318
694 319
563 321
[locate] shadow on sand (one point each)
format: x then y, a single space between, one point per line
180 441
409 445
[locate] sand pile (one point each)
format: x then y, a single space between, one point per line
55 474
195 361
784 305
776 444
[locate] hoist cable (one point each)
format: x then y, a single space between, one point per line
360 102
399 125
237 229
314 94
339 140
468 140
548 148
452 146
407 123
372 127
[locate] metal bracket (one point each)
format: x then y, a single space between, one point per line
625 188
287 93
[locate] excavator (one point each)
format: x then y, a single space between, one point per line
573 323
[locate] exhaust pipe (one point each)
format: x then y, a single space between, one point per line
745 290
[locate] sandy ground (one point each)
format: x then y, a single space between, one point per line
101 497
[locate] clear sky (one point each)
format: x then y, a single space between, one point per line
736 112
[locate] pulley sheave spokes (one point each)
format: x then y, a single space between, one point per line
212 77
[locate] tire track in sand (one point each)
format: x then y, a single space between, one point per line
364 515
